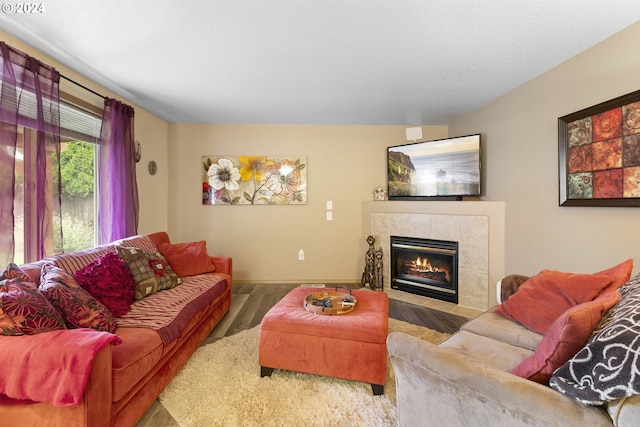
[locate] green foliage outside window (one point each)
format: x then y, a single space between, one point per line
76 171
76 168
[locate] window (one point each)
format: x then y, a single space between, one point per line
79 134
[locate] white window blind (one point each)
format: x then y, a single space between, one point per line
77 123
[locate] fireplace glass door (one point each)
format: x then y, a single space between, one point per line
425 267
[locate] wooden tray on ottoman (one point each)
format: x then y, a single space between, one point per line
330 302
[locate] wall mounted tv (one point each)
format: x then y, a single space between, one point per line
443 169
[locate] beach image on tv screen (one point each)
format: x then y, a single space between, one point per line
438 168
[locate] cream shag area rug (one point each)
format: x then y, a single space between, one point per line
221 386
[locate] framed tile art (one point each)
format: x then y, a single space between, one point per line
599 154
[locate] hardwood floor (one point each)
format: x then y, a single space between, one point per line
427 317
251 302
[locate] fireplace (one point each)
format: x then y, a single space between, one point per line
425 267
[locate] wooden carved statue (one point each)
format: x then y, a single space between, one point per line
377 271
369 260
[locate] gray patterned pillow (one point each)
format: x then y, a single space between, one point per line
606 368
150 272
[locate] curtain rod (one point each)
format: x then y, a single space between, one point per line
83 86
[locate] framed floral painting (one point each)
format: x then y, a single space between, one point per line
254 180
599 154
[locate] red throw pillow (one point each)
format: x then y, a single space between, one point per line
545 296
109 280
621 274
188 259
565 338
23 311
78 308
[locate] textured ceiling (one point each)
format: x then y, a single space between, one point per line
402 62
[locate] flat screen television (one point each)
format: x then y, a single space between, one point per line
443 169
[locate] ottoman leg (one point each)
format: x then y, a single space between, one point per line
265 372
377 389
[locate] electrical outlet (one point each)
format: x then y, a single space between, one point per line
329 216
301 255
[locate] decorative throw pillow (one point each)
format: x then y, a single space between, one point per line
621 274
141 241
109 280
545 296
151 272
23 311
7 325
78 308
14 272
33 270
606 368
188 259
72 261
566 336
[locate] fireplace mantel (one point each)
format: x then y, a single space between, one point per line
478 226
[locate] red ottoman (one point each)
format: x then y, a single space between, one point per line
351 346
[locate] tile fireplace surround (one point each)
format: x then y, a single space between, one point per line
477 226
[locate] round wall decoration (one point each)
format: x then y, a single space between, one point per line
153 167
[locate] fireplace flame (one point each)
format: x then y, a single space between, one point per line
422 266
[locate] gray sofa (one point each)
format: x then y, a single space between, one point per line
467 381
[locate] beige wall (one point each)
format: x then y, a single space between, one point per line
520 139
344 165
346 162
152 189
150 131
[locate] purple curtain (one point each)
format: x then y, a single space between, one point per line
30 98
117 186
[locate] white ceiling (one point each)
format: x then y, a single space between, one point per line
398 62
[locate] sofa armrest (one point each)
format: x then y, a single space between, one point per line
625 412
223 264
508 286
94 410
447 388
98 394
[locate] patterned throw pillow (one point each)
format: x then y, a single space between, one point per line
78 308
23 311
109 280
150 271
141 241
14 272
605 369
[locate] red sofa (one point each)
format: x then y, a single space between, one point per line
124 379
